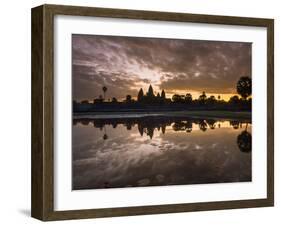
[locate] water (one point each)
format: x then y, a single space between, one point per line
156 150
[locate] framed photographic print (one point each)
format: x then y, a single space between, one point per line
141 112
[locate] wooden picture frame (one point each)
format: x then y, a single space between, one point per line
43 107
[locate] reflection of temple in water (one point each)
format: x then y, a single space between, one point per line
147 125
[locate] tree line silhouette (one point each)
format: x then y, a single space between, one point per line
243 88
147 125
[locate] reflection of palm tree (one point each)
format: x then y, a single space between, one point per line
179 126
234 124
84 122
244 141
211 123
203 125
114 125
188 126
105 135
128 126
98 124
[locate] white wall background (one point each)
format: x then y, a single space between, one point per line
15 87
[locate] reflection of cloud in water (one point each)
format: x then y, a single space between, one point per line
128 159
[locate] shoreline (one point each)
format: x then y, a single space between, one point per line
239 115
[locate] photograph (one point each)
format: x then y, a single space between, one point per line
158 112
138 112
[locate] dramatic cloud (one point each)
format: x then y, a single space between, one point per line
125 64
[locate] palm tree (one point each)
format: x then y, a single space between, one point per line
177 98
244 87
104 89
203 97
128 99
114 100
188 98
211 100
234 99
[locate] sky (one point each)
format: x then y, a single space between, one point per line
179 66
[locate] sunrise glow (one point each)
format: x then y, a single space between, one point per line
126 64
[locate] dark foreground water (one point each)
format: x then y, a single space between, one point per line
156 151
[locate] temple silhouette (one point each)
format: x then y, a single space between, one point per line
150 101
